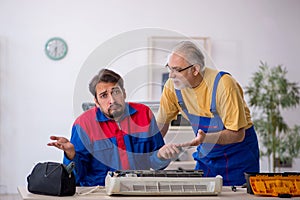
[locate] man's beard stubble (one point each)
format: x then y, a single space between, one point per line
115 113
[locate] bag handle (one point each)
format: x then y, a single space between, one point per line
46 175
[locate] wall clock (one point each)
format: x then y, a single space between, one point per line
56 48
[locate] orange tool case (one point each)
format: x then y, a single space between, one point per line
285 184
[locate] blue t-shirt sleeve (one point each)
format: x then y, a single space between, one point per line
158 163
82 156
158 141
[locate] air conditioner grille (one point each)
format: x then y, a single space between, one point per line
158 187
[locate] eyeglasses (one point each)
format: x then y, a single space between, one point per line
175 69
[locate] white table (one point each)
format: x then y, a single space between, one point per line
226 193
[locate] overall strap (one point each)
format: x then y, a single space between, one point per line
213 108
181 102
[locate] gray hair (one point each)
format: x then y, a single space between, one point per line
191 53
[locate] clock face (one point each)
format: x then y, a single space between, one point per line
56 48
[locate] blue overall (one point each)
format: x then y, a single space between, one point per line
231 160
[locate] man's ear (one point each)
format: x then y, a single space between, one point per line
96 102
196 70
124 93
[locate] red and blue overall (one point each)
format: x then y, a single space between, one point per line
103 145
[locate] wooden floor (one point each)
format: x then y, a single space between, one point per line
10 197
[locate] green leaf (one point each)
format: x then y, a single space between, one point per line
270 92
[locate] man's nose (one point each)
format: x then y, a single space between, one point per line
171 74
111 98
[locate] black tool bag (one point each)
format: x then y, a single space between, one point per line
50 178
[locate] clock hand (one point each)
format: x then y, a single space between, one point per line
55 50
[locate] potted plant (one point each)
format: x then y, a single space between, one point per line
270 92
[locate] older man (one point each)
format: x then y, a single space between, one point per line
213 102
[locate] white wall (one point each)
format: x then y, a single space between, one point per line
37 93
